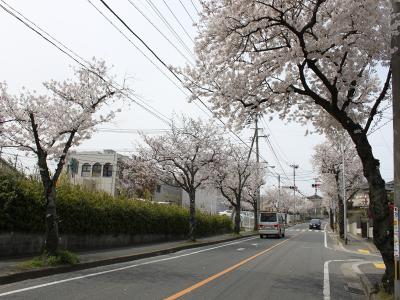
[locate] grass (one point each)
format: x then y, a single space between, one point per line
384 296
63 257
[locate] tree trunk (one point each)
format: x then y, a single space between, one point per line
331 219
255 218
236 228
192 215
378 204
52 238
340 219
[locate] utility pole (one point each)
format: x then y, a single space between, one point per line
279 190
395 67
344 196
294 166
258 162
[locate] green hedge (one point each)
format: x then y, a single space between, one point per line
22 208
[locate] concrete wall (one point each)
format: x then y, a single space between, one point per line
16 244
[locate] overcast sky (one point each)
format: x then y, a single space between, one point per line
28 60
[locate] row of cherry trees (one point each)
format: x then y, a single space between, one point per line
49 124
328 161
324 62
194 155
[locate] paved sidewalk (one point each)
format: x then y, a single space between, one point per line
11 270
371 271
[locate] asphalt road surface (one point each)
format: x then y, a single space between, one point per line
302 265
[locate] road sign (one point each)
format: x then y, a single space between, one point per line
396 231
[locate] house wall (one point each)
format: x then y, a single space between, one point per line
167 193
207 200
106 184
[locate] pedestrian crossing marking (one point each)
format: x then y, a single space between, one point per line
363 251
303 230
380 266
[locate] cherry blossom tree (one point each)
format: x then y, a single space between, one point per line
231 176
48 125
183 157
307 61
136 177
327 161
252 187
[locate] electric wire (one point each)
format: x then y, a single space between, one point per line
170 70
180 24
187 12
162 34
167 24
67 51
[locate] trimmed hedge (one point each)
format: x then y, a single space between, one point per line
22 208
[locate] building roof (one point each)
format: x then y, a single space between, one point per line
389 186
314 197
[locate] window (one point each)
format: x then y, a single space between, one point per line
107 170
86 170
158 188
268 217
96 170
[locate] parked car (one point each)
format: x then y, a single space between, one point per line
315 224
271 223
225 213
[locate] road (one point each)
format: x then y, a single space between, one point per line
302 265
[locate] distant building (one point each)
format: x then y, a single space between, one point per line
7 166
207 200
361 198
317 209
95 170
99 170
168 194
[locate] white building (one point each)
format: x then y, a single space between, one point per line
95 170
98 170
207 200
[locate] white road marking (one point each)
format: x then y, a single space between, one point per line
119 269
240 249
327 286
255 244
356 268
325 241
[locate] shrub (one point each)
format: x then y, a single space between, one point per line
22 208
63 257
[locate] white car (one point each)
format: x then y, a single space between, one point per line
225 213
271 223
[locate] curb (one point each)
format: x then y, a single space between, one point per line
32 274
369 289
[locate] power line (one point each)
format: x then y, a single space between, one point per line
67 51
169 69
187 12
376 129
167 24
163 35
180 24
137 48
195 7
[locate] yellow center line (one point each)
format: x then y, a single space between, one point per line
215 276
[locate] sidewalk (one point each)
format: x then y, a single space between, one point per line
11 271
371 271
